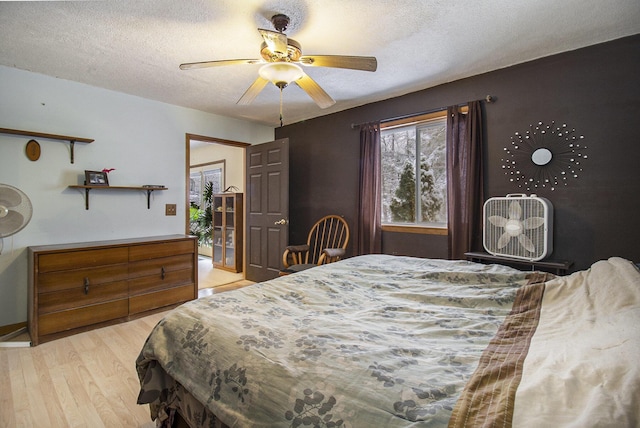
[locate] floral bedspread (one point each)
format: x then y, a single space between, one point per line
371 341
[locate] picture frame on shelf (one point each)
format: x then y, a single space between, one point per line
96 178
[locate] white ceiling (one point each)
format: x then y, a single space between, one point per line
135 47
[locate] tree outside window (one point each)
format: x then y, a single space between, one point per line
414 178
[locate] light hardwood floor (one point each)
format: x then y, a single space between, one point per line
209 277
85 380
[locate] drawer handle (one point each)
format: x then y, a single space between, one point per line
86 285
162 272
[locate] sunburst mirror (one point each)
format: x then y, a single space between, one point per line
544 156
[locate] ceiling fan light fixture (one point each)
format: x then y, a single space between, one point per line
281 73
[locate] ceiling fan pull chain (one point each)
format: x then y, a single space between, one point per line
281 106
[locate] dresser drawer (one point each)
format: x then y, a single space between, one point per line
75 297
156 267
158 299
162 249
80 317
62 280
145 284
81 259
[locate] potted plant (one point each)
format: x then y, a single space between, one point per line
201 218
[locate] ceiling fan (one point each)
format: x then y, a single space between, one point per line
281 56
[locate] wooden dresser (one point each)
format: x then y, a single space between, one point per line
78 287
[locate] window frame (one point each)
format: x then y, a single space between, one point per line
202 168
415 228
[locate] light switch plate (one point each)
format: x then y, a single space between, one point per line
170 209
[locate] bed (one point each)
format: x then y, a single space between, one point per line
392 341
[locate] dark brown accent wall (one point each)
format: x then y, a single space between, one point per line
595 90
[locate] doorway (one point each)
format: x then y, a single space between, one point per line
205 179
221 162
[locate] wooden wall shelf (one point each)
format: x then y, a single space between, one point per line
87 188
71 140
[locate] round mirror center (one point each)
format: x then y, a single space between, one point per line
541 156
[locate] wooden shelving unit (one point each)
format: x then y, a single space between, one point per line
227 231
71 140
87 188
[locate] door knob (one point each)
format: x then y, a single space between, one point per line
281 221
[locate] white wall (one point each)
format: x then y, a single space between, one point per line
143 140
234 165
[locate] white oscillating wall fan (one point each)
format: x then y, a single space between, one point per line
15 214
15 211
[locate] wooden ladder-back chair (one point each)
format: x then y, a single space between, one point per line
326 243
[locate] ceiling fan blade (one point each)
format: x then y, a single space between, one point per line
205 64
315 91
253 91
364 63
276 42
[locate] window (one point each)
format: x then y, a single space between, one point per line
200 216
200 177
413 157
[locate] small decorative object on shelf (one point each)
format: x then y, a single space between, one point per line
96 178
108 170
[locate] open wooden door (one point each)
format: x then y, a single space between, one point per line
267 208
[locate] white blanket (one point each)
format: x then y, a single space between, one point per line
567 355
583 366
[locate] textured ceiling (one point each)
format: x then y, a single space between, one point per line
135 47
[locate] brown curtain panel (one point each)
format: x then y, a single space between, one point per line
369 216
465 194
